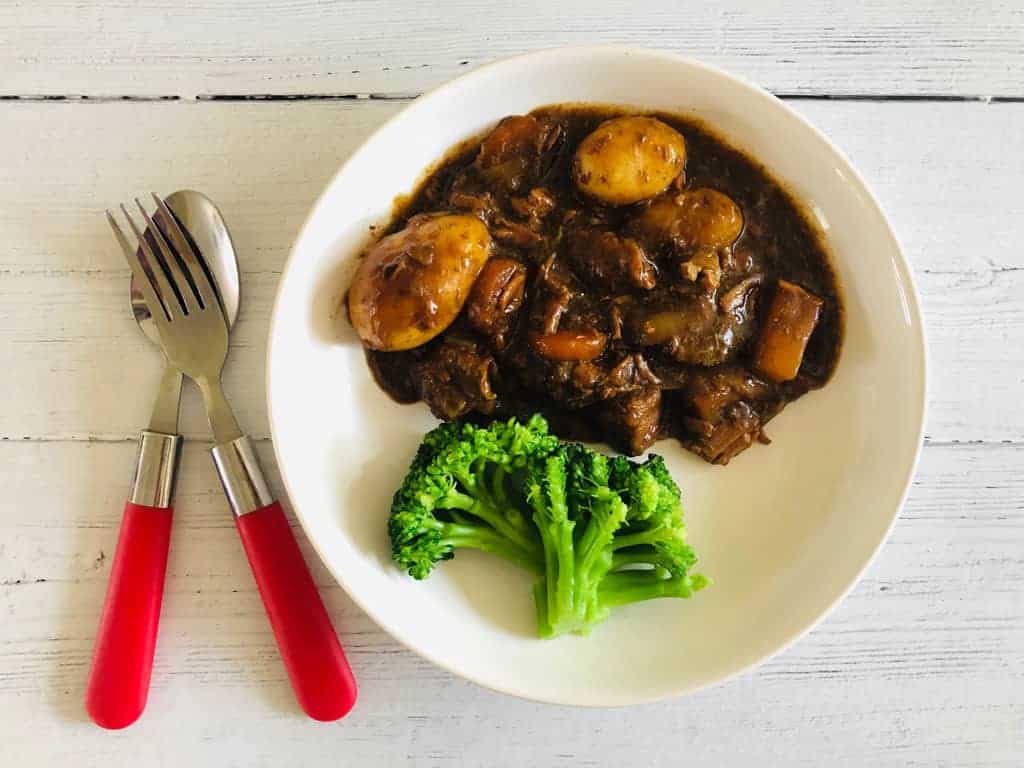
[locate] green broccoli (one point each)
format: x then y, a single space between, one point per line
599 532
650 555
460 492
629 542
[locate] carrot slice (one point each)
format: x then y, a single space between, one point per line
584 344
792 318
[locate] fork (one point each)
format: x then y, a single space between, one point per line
194 335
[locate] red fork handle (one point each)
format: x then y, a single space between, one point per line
123 659
316 665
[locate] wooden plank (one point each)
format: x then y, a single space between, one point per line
84 372
941 47
922 664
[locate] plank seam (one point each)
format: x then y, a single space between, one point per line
402 96
82 97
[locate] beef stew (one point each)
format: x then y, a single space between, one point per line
636 279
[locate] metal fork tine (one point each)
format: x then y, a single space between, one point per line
178 277
149 291
162 281
204 289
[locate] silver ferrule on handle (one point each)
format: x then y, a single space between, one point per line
155 470
241 476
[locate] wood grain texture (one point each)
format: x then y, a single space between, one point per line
63 280
921 665
942 47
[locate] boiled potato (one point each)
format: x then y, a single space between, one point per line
412 284
694 218
628 159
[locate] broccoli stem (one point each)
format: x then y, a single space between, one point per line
540 600
498 487
642 557
594 553
551 515
487 540
482 508
648 536
633 586
499 494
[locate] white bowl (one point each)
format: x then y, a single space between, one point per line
784 531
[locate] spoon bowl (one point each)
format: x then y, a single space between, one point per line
202 221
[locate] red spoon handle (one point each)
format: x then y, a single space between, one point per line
319 673
123 659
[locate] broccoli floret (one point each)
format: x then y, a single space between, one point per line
599 532
459 493
629 540
650 555
602 512
547 494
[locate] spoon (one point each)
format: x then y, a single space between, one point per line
201 219
205 227
126 640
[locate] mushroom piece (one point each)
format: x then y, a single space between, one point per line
609 260
496 297
517 151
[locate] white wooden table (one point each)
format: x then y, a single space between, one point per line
257 104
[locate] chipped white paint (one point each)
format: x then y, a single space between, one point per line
922 664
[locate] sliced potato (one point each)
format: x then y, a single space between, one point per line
412 284
695 218
629 159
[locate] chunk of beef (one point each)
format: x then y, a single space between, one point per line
456 378
736 259
395 373
553 310
633 420
590 382
536 205
729 408
479 203
517 234
555 277
712 391
610 261
631 371
737 430
705 267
